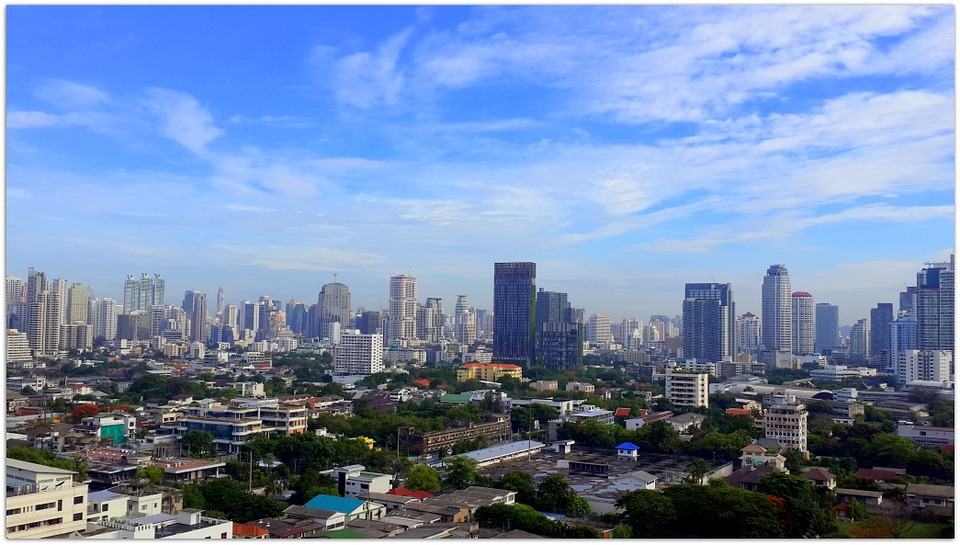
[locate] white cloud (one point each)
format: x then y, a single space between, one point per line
182 119
365 79
71 95
248 208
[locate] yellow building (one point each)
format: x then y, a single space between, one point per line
488 371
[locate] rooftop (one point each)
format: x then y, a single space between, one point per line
335 503
503 449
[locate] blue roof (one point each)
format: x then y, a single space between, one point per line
627 445
334 503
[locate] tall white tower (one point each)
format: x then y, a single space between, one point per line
776 323
803 320
402 322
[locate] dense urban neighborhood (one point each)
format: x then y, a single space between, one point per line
147 420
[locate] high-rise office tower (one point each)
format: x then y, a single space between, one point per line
709 322
514 312
219 300
334 301
935 311
231 316
198 317
748 333
908 300
827 325
598 329
860 340
402 321
78 303
776 322
189 297
552 307
903 334
251 316
880 319
803 323
369 322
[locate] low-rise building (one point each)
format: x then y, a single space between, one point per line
43 502
687 389
496 431
491 372
583 387
755 455
924 496
686 422
353 481
187 524
504 451
544 385
351 508
926 436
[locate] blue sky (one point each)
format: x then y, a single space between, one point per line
626 150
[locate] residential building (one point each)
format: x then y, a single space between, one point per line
584 387
561 345
18 347
186 524
827 324
860 340
402 320
496 431
78 304
359 354
927 365
598 330
103 317
352 508
353 481
491 372
514 312
777 316
786 422
43 501
803 320
709 322
687 389
748 333
755 455
142 293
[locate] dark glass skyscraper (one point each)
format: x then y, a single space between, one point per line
709 319
514 312
552 306
880 320
561 345
827 328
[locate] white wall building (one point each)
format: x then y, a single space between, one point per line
687 389
359 354
926 365
803 320
43 502
786 422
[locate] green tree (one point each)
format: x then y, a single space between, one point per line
807 512
622 531
856 510
794 461
697 470
647 512
459 471
198 443
556 496
151 473
522 484
517 517
423 478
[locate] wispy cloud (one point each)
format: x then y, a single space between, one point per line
182 119
70 94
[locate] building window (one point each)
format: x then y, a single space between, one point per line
77 500
78 516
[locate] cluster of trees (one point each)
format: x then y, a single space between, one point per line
47 458
301 452
866 444
161 387
229 499
526 518
785 506
553 494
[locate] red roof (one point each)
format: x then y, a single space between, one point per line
622 411
877 474
800 294
500 365
248 530
410 493
425 382
733 411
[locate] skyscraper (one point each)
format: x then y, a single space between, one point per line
748 333
431 323
514 312
561 345
464 321
369 322
402 321
251 316
935 312
598 329
803 320
143 293
827 323
880 319
198 317
334 301
908 300
552 307
103 318
776 324
860 340
219 300
709 321
78 303
56 307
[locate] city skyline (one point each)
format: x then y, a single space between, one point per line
373 141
